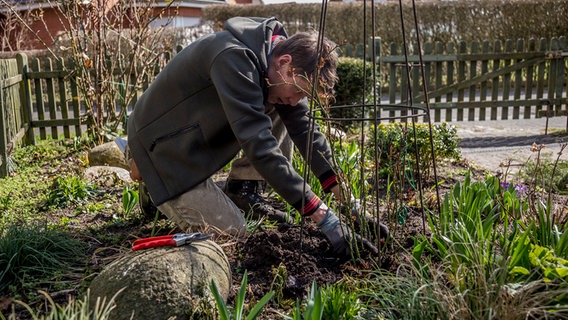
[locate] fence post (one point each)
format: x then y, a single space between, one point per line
3 133
26 99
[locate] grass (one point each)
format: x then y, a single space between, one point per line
76 309
35 253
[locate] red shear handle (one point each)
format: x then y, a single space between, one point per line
154 244
144 240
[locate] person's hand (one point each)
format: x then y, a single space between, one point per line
336 232
134 173
340 235
357 214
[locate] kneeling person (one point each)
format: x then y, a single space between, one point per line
243 88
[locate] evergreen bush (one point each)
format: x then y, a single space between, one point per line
353 90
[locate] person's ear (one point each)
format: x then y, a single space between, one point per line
286 64
284 59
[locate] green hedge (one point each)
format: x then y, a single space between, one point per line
445 21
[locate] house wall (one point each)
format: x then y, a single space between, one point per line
48 24
45 24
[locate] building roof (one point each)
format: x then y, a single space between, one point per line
22 5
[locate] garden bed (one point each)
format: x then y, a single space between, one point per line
284 258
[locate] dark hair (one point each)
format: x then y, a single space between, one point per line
307 58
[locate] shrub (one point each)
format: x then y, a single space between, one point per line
399 145
353 90
550 174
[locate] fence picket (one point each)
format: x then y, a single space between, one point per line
51 103
495 85
541 80
557 63
3 124
461 77
392 80
75 102
63 99
484 84
518 80
40 108
472 74
553 67
428 74
450 76
530 81
26 99
404 81
416 80
506 80
439 79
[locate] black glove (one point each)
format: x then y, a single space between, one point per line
357 213
336 232
340 235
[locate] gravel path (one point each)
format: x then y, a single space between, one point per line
489 144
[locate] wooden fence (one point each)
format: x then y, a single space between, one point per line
487 81
14 116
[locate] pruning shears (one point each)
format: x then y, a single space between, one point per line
172 240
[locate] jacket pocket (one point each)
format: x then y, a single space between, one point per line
172 135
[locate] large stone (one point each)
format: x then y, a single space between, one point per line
107 176
107 154
160 283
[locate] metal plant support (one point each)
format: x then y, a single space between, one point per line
384 189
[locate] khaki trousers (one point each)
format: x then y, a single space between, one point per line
205 208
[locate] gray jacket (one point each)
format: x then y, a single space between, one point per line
207 104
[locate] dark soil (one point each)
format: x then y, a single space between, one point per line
304 254
302 251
